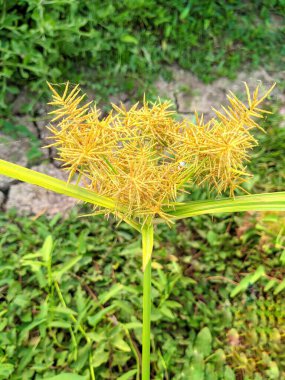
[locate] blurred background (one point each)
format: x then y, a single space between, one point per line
217 281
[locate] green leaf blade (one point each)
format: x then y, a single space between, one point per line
67 376
256 202
50 183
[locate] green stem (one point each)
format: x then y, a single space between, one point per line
147 246
134 349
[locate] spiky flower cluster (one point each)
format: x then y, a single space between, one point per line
143 156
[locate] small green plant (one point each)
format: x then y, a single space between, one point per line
135 163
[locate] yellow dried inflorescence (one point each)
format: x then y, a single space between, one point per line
142 157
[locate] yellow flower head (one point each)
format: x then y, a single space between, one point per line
142 157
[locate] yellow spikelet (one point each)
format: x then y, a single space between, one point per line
142 157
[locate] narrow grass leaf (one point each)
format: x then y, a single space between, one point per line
95 319
248 280
280 287
50 183
270 285
121 345
65 268
257 202
105 297
60 324
46 249
66 376
128 375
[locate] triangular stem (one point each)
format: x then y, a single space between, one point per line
147 246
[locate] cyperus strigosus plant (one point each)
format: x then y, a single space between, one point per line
135 163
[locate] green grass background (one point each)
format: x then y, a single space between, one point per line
74 299
123 45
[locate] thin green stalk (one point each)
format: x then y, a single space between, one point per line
134 349
147 246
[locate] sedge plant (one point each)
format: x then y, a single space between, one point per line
135 163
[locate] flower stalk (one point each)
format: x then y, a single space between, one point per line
147 247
